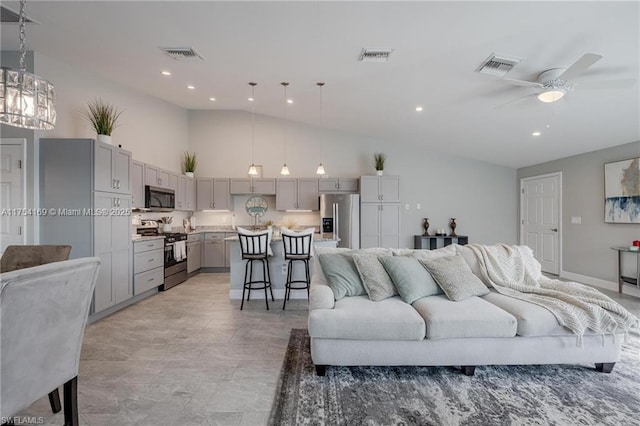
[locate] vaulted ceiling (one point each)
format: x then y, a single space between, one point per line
437 47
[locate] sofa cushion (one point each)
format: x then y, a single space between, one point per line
472 260
455 278
359 318
374 277
342 275
410 278
426 253
471 317
533 320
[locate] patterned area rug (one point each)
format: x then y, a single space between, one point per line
496 395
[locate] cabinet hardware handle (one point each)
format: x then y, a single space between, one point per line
149 245
150 260
150 279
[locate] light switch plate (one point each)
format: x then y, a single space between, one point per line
576 220
418 206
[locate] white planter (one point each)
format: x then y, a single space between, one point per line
104 139
188 174
379 172
166 227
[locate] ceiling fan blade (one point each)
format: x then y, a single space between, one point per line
522 82
516 100
605 84
579 66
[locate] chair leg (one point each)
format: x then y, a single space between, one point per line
306 269
71 403
54 401
265 267
269 280
287 285
244 285
250 279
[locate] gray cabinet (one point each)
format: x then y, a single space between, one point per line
214 250
380 189
148 265
190 197
112 168
194 252
212 194
186 194
297 194
155 176
333 185
253 186
380 225
137 184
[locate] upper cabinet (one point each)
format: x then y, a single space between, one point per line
212 194
333 185
112 171
154 176
253 186
137 184
380 189
297 194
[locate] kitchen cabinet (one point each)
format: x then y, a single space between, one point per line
191 194
380 189
137 184
186 194
212 194
253 186
227 250
112 171
173 181
148 265
155 176
76 180
380 225
194 252
214 250
333 185
297 194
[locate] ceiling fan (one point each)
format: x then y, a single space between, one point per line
554 83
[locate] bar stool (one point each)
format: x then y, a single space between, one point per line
297 248
255 248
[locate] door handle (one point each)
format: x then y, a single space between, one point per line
554 229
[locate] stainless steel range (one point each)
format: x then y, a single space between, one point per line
175 253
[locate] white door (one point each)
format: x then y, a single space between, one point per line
11 196
540 219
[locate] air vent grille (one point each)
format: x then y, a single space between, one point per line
498 66
375 55
182 53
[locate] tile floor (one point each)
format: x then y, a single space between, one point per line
189 356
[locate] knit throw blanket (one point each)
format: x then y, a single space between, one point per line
514 272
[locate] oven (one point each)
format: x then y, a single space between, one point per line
175 260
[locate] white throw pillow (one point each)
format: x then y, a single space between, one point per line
247 232
304 233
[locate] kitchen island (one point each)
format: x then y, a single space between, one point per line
277 268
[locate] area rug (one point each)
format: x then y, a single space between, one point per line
495 395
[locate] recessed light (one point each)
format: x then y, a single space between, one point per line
289 101
250 99
536 134
166 72
212 99
191 87
419 108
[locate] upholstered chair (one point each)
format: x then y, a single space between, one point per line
19 257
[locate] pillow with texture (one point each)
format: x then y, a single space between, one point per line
269 231
374 277
469 256
342 275
455 278
411 279
449 250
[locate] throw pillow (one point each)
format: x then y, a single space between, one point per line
455 278
374 277
256 250
449 250
342 275
306 234
410 278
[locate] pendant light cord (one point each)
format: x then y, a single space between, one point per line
253 120
321 84
284 84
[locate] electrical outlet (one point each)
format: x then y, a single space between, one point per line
406 206
418 206
576 220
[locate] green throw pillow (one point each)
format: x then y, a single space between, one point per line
411 279
342 275
455 277
375 279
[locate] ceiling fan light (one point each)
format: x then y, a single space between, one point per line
551 95
253 171
320 170
284 171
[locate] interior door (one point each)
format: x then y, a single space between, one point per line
540 219
11 196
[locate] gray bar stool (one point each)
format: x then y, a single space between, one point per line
255 248
297 248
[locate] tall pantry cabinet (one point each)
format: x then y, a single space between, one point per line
85 190
380 211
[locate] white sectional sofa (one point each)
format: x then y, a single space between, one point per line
434 331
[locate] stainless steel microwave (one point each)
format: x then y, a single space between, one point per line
159 199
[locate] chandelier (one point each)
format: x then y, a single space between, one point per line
26 100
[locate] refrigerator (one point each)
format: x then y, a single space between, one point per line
340 217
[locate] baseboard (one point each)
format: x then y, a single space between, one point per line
597 282
278 294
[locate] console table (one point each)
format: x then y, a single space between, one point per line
621 278
432 242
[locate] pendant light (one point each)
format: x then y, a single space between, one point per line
320 170
253 171
26 100
285 169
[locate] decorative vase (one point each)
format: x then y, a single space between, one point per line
188 174
105 139
166 228
425 226
453 225
379 172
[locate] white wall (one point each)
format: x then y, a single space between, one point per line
153 130
481 196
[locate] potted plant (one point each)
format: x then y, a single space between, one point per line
190 163
379 159
103 117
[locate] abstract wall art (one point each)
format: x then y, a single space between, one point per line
622 191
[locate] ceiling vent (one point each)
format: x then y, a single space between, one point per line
182 53
498 66
8 16
375 55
